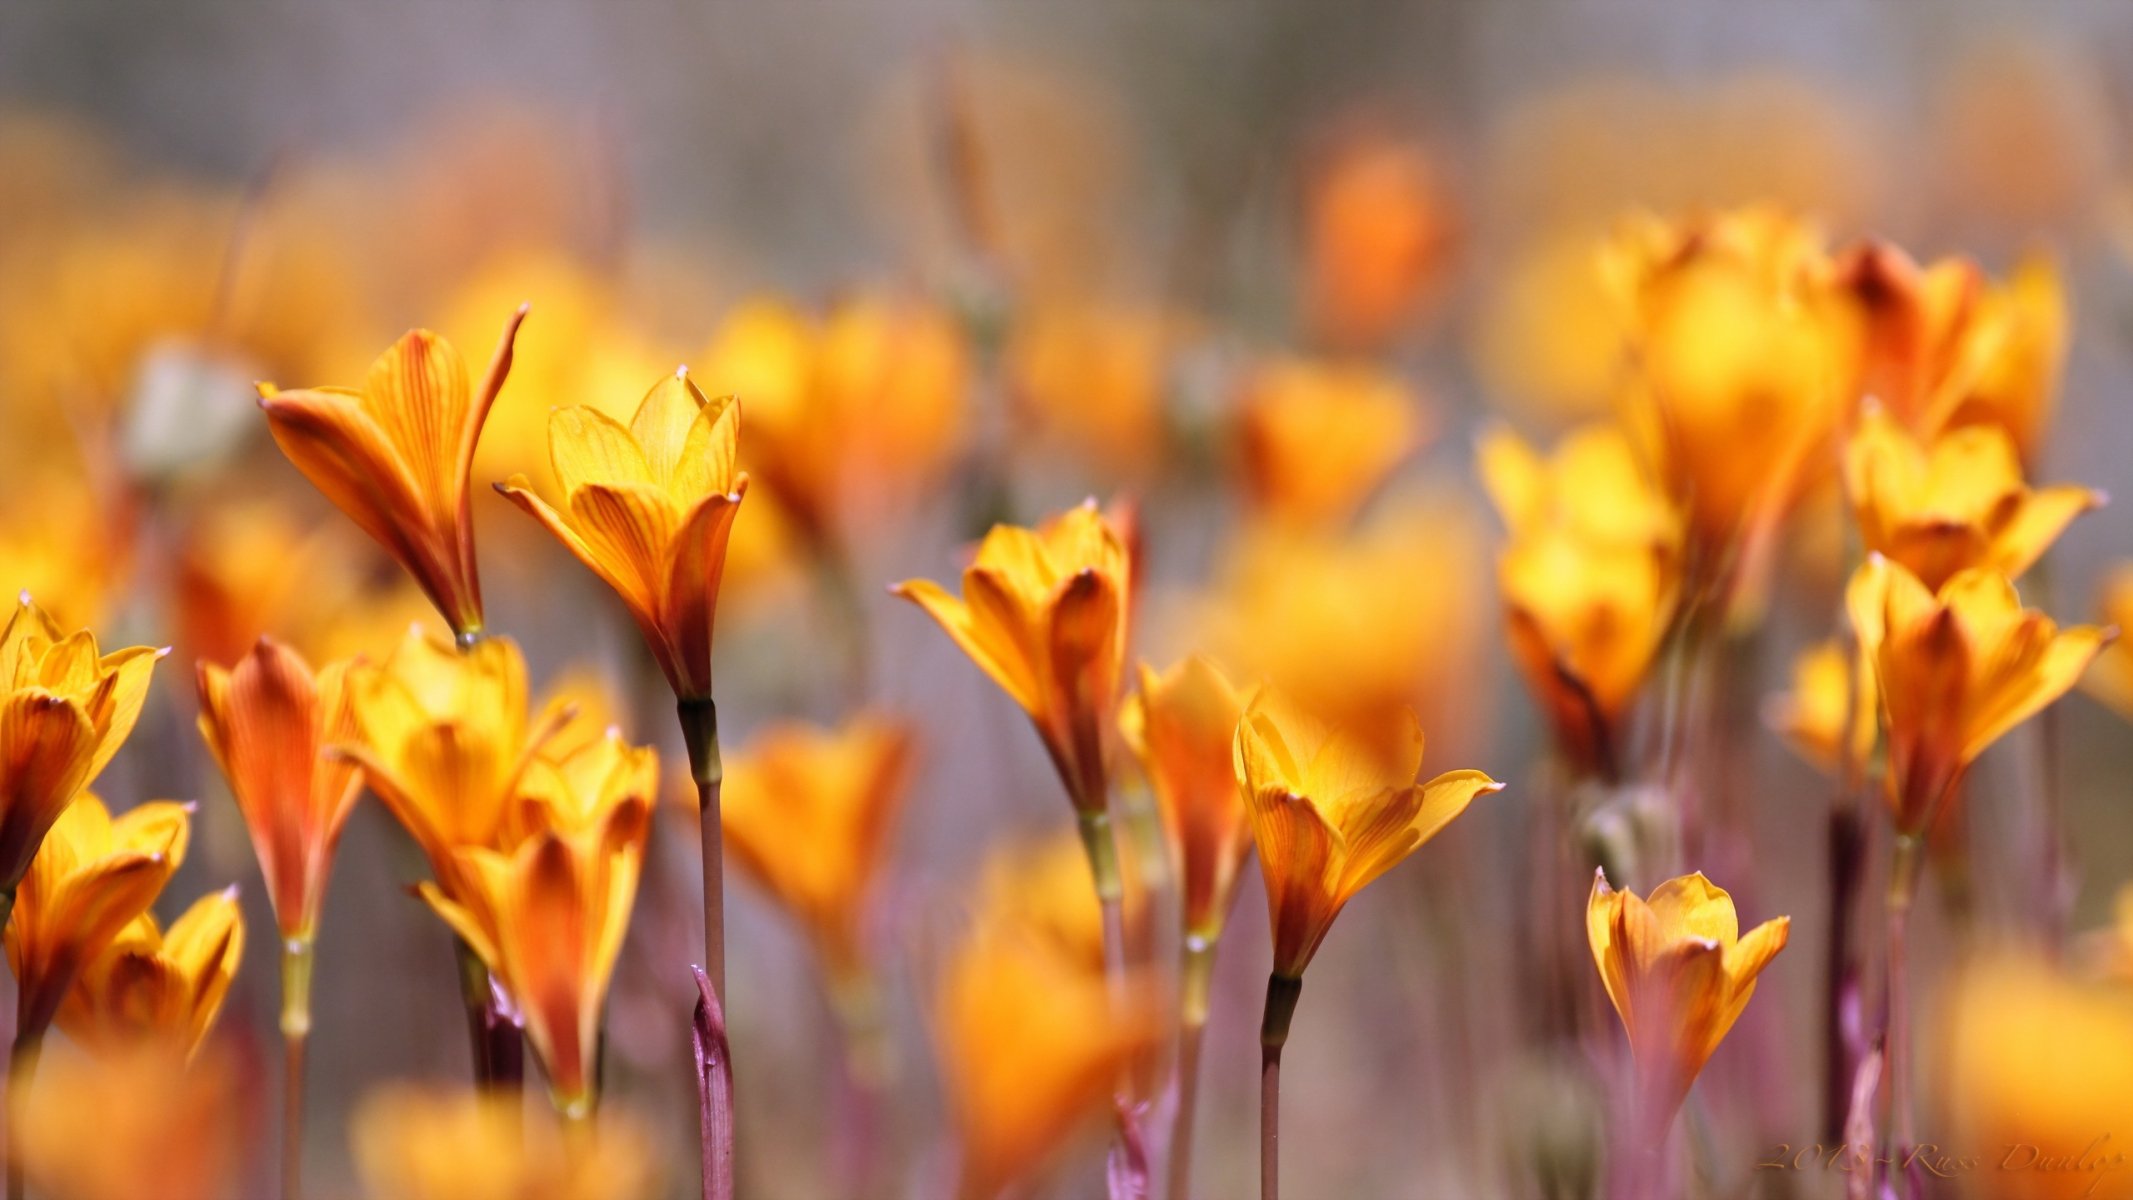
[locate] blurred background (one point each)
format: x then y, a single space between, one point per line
1078 236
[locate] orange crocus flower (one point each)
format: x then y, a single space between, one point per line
1319 437
1044 612
1679 972
1180 725
1957 500
394 455
1831 715
548 916
159 986
649 507
1332 809
269 723
135 1122
92 878
64 711
1955 669
418 1144
1376 232
809 814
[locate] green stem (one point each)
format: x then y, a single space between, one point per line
296 963
1904 875
1194 982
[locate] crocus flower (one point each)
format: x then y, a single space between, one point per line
158 986
2111 680
137 1121
1180 724
1955 669
548 917
1044 612
269 722
394 456
94 875
64 711
1955 501
1094 378
419 1144
809 814
1319 437
1679 972
1332 809
1375 235
649 507
1831 714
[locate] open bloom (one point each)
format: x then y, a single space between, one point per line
417 1144
809 814
1831 715
137 1121
649 507
64 711
1180 724
1589 579
1679 972
2111 680
547 918
1031 1045
1954 502
1333 808
93 877
394 456
444 740
269 722
1955 669
158 986
1044 612
1319 438
1094 378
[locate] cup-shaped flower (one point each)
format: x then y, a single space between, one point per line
444 740
64 711
159 986
1044 612
413 1143
1319 438
1954 502
547 918
1031 1044
1955 670
649 507
394 456
1831 715
1180 724
94 875
1094 379
2111 681
269 722
575 782
809 815
137 1121
1333 808
1679 972
1592 483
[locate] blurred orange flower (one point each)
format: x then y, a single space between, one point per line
1679 972
1332 808
92 878
1319 437
135 1123
65 543
2111 678
1955 501
1095 377
64 710
850 414
394 456
1955 670
414 1143
548 916
809 814
157 986
269 723
1180 724
1376 234
649 507
1044 612
1831 715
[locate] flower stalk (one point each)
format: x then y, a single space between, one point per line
699 731
1195 979
296 962
1282 992
21 1072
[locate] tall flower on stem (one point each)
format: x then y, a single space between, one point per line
92 878
1955 669
1180 724
65 709
1332 808
269 722
394 456
1679 973
649 507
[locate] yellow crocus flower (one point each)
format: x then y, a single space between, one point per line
394 456
65 708
1955 670
1955 501
1831 715
2111 678
160 986
415 1143
1679 973
1180 723
136 1122
649 507
1318 438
